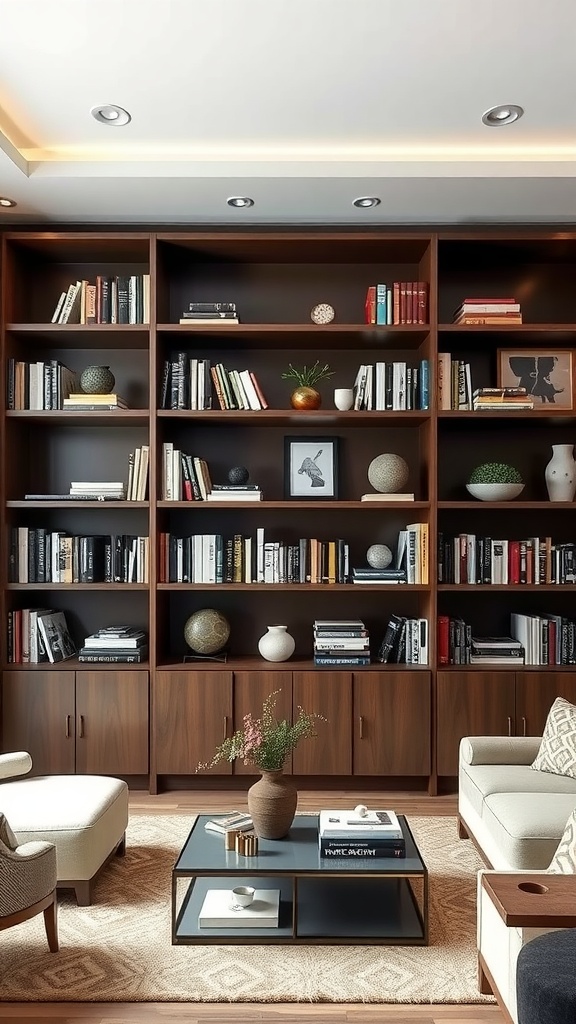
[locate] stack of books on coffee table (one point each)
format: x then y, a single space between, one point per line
347 834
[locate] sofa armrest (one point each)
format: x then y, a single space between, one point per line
499 749
14 764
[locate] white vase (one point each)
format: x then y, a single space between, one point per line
276 644
343 398
560 473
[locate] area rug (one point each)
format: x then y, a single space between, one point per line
119 949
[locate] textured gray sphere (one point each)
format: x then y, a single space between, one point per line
97 380
379 556
206 631
388 473
238 475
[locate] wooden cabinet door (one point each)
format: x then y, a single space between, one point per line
535 695
112 722
38 716
250 691
391 734
471 704
193 715
328 694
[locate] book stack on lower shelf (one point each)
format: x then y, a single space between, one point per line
341 642
220 911
115 644
369 834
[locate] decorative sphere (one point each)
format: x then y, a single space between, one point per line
361 810
379 556
238 475
206 631
323 313
97 380
388 473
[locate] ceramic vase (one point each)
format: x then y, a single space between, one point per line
560 473
272 805
343 398
276 644
305 398
97 380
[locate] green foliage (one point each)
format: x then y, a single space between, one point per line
308 376
265 742
495 473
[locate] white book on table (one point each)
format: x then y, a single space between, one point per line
216 910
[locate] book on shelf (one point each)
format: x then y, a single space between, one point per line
210 319
237 821
128 639
369 849
218 910
238 495
343 659
212 307
135 657
388 497
55 634
346 824
70 497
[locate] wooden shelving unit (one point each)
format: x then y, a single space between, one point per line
389 724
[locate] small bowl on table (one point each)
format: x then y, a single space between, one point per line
495 492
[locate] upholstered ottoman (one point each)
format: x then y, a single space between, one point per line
85 816
546 979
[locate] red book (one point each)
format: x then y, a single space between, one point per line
258 390
370 305
514 561
491 299
443 640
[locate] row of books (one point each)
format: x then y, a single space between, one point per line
341 642
371 835
115 644
405 641
468 558
39 555
119 299
486 311
545 639
44 384
403 302
187 384
394 386
456 391
38 635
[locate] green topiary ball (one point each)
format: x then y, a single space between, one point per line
495 473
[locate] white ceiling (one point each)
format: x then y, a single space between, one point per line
301 104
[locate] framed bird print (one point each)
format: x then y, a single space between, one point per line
311 468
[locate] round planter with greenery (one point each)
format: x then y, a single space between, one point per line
495 481
306 395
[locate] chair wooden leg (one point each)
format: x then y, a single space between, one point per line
83 892
51 925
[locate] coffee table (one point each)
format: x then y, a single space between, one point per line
381 901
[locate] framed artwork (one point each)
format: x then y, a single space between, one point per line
311 467
547 374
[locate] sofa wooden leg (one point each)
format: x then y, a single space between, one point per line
51 925
83 892
120 850
484 986
462 830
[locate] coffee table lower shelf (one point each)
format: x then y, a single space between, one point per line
327 911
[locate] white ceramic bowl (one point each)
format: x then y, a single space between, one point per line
495 492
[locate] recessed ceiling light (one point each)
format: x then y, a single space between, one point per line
4 201
240 201
110 113
366 201
506 113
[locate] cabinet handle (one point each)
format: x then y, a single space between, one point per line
225 727
361 726
81 726
523 726
509 726
67 727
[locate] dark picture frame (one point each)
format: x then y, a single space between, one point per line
311 468
547 375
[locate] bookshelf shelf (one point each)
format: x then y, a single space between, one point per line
276 277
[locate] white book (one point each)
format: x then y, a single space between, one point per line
238 820
260 554
217 910
250 390
343 823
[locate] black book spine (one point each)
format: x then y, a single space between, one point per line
123 300
165 386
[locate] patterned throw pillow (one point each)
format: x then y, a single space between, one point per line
557 753
564 860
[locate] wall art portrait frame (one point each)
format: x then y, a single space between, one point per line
311 468
547 375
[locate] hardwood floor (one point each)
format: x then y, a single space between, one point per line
275 1013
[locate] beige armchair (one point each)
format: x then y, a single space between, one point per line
27 882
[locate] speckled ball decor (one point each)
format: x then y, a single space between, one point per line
206 631
323 313
388 473
238 475
379 556
97 380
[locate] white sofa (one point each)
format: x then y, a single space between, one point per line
84 816
516 816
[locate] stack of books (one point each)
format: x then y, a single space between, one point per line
366 574
234 492
341 642
108 490
115 644
484 312
346 834
94 403
210 313
218 910
235 821
496 650
497 399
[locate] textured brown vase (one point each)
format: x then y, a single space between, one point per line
306 398
272 805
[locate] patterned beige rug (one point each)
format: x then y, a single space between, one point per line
119 949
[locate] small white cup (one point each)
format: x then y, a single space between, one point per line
343 398
242 896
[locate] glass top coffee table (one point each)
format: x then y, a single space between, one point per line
381 901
